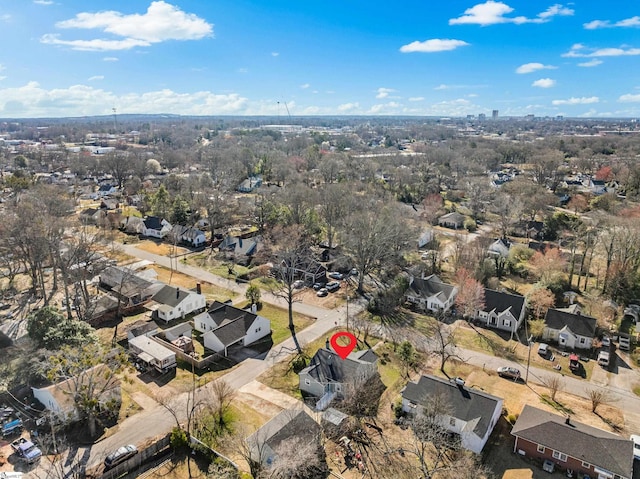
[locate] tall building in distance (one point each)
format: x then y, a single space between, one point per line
494 114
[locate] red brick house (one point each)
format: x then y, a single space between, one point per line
571 445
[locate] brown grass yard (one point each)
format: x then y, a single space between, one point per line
164 249
211 291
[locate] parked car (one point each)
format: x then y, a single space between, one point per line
120 455
318 286
624 342
543 350
354 272
26 450
336 275
603 359
636 446
509 372
606 342
322 292
332 286
297 284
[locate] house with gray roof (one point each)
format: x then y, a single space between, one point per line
173 302
586 450
188 235
468 412
499 248
328 375
431 294
502 310
224 325
288 424
569 330
127 285
452 220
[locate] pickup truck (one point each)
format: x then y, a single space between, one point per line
26 450
11 427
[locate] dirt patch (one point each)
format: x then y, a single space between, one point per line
161 248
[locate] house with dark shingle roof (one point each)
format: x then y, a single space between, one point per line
224 325
470 413
569 330
453 220
431 294
585 450
328 375
172 302
502 310
288 424
155 227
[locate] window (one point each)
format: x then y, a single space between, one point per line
507 323
307 382
586 465
560 456
540 448
583 340
452 421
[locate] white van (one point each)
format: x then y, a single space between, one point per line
603 358
624 342
543 350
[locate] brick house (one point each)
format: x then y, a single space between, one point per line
584 449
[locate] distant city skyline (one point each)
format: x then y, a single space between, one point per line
68 58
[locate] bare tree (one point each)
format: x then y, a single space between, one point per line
470 297
540 300
292 262
222 398
554 384
599 396
443 341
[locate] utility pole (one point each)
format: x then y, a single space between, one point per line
526 379
115 120
347 312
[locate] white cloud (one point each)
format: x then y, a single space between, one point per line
389 108
5 17
580 51
96 77
110 59
433 45
33 101
43 2
492 13
243 70
275 54
161 22
629 98
591 63
305 86
384 92
544 83
627 22
532 67
347 107
416 98
442 86
577 101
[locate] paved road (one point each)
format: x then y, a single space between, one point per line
156 421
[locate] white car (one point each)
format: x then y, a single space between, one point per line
636 446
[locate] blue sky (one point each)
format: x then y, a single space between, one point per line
259 57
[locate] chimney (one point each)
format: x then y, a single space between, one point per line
254 308
327 344
199 288
567 421
177 293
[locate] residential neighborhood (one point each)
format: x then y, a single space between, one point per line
363 300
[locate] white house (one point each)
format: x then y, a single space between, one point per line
468 412
431 294
171 302
224 325
502 310
58 398
569 330
155 227
187 234
153 353
328 376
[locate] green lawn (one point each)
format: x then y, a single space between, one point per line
280 321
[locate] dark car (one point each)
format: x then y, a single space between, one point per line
509 373
318 286
120 455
